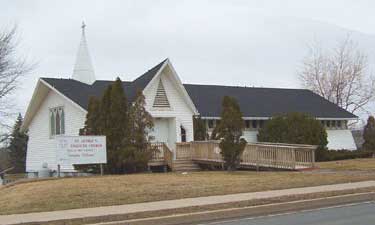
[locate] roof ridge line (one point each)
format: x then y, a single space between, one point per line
232 86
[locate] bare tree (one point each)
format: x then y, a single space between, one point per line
339 75
12 68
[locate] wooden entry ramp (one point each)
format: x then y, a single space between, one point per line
255 155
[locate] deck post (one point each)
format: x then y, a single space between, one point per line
257 158
58 170
191 150
313 158
294 158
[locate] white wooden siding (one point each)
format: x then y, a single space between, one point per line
337 139
172 133
250 135
340 139
41 147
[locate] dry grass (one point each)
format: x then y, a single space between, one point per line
69 193
353 164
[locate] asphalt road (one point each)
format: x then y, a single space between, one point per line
353 214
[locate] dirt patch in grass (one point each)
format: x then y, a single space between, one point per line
85 192
349 165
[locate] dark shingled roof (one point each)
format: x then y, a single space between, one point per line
142 81
80 92
254 102
263 102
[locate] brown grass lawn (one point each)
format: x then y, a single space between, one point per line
353 164
69 193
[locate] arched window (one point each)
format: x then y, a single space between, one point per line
57 121
52 122
183 134
62 121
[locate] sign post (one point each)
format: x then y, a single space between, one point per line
101 170
58 170
78 150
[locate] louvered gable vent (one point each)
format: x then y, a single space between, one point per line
161 99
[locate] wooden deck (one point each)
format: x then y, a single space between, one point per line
255 155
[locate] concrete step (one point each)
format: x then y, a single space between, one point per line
183 161
185 165
186 168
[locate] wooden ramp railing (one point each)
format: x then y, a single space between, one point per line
161 155
270 155
183 151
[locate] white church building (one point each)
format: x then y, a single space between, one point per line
59 107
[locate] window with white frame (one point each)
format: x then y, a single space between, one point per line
57 121
334 124
211 124
247 124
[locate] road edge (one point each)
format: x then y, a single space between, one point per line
250 211
246 208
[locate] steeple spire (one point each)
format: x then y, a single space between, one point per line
83 69
83 27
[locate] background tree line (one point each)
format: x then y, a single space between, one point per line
13 154
13 141
340 75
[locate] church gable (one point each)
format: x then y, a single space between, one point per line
165 92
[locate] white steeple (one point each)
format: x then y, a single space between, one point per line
83 69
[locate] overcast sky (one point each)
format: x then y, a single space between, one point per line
252 43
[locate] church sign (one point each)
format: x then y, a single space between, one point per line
81 150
